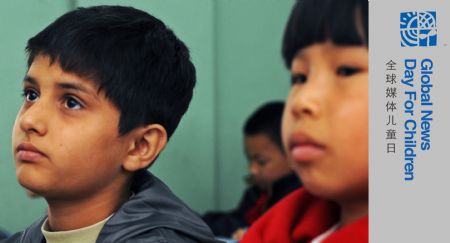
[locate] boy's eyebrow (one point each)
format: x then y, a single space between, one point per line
73 86
63 85
300 54
29 79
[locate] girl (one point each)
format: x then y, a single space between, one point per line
325 126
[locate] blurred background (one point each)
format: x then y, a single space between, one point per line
235 46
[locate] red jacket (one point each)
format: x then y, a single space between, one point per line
300 217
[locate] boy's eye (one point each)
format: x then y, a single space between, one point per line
30 95
298 79
72 104
261 162
347 71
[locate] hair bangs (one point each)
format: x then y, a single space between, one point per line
341 22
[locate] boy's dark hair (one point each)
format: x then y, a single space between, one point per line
313 21
266 120
142 67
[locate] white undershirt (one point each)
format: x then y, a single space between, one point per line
87 234
324 235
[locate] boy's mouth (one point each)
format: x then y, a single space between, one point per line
28 153
303 148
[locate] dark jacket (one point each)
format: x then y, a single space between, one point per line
152 214
226 223
3 234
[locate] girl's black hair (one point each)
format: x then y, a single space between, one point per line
344 22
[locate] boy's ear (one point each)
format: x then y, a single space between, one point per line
145 145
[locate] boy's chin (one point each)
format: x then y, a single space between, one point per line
32 191
31 185
31 194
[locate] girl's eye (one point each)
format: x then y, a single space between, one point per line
298 79
30 95
72 104
347 71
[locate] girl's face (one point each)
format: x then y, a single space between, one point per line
325 122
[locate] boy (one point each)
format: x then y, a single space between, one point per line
271 177
106 87
325 126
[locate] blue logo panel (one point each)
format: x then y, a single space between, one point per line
418 29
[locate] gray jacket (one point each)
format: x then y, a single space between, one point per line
152 214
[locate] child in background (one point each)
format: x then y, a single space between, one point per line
325 126
106 87
270 179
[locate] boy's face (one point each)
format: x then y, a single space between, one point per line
267 163
65 137
325 123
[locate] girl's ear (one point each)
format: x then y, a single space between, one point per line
146 144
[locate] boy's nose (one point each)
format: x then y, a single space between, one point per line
254 169
33 119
